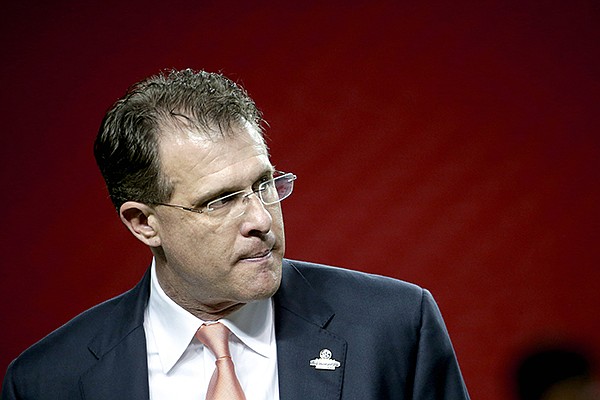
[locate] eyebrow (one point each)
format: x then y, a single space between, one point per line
205 197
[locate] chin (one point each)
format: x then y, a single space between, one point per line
267 288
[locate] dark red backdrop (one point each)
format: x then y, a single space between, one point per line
452 145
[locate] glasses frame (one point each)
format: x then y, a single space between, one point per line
261 187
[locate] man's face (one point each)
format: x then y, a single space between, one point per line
210 265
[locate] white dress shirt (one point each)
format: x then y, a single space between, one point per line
179 366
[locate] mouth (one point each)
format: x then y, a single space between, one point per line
258 256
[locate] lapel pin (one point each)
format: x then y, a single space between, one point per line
325 361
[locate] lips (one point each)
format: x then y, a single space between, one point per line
258 250
256 255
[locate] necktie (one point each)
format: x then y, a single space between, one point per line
224 384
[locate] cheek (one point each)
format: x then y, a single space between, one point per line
277 225
182 239
201 245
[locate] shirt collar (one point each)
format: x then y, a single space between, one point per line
253 326
174 327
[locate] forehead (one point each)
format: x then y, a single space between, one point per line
187 156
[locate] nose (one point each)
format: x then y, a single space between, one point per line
256 220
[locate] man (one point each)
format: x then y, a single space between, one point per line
188 171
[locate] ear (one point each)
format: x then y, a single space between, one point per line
141 221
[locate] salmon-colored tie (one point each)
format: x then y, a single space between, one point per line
224 384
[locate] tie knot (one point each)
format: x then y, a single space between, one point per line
216 338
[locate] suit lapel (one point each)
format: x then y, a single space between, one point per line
120 347
301 318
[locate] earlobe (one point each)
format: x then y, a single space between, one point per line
139 219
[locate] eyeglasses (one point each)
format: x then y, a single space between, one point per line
233 205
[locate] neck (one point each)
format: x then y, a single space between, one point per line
204 311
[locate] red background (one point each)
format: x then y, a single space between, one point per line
454 145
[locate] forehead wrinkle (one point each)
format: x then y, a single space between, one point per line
181 130
228 153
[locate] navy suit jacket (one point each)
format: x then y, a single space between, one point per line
387 335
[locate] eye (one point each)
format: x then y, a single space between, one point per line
265 179
223 201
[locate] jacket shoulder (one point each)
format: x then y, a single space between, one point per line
71 336
335 278
362 294
54 364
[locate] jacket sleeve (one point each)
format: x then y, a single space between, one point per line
437 374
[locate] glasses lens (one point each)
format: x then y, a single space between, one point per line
224 206
278 189
269 192
284 185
